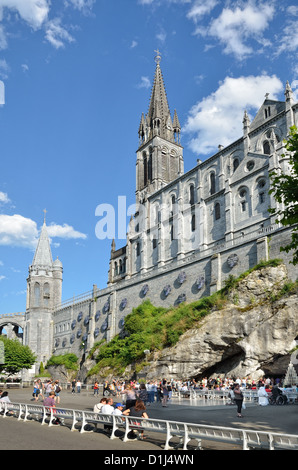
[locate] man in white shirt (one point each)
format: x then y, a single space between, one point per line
108 408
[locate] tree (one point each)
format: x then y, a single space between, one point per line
285 190
16 356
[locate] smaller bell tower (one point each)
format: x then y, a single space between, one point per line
44 292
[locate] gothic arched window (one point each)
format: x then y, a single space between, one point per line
217 211
191 194
266 148
193 223
46 294
235 164
212 183
145 168
36 295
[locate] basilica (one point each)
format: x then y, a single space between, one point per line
190 232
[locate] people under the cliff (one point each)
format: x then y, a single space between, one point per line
142 393
263 396
130 396
238 398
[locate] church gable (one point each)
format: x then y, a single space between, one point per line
252 163
268 110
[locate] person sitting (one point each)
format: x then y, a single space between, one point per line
97 408
107 409
138 411
5 398
118 409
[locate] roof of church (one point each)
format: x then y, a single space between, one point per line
43 254
159 107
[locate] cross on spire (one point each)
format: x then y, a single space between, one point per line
157 57
44 217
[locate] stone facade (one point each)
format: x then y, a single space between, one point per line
189 233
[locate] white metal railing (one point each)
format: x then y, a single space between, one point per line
246 438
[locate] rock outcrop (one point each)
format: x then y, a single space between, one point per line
252 335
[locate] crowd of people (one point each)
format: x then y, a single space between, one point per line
43 390
133 397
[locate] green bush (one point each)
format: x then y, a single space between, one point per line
69 361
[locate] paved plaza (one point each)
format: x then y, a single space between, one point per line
19 435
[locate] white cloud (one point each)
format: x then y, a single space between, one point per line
2 277
16 230
64 231
217 119
201 8
34 12
4 198
144 83
82 5
56 34
235 27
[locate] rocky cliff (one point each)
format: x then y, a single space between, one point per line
251 335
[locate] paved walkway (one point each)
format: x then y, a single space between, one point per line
31 435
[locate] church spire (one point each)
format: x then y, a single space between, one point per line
158 108
43 254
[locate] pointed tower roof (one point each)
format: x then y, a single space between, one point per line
159 107
43 254
176 123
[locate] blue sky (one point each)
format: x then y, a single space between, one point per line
77 75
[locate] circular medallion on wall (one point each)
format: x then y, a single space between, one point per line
181 298
97 315
96 332
106 307
85 336
80 316
64 342
73 324
57 342
79 333
232 260
121 323
145 289
72 338
200 282
167 290
123 304
182 277
104 326
86 321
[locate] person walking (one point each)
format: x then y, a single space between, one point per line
142 393
57 390
95 388
165 393
238 397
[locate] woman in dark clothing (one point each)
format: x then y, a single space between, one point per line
138 411
238 399
143 394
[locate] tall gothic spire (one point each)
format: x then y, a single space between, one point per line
43 254
158 121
